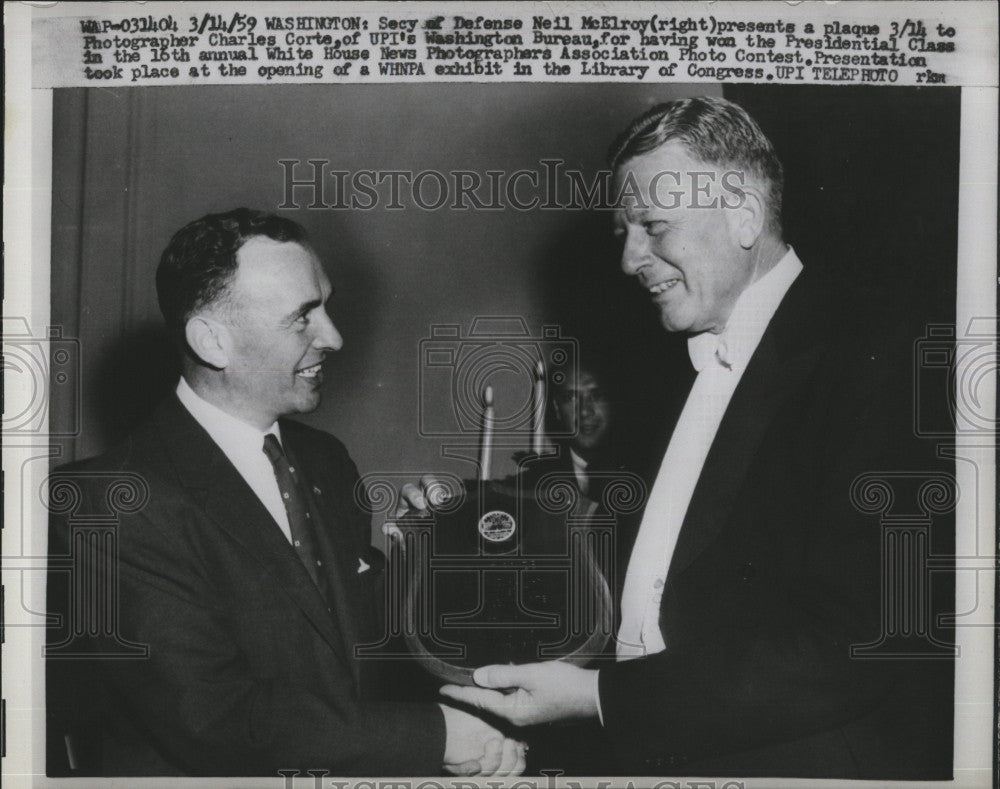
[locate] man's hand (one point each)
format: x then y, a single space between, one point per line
473 747
417 502
532 693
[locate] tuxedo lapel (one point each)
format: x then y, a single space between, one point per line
788 352
224 496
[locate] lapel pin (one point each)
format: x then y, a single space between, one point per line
317 491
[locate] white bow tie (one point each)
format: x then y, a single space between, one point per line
707 349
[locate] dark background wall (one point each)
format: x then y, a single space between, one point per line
871 184
872 192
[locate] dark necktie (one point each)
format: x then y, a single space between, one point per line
299 519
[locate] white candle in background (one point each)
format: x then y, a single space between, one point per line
538 428
486 447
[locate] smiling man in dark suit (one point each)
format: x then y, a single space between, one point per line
247 572
754 582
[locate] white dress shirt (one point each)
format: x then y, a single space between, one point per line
243 444
720 360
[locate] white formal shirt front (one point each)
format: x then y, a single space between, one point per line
243 444
720 360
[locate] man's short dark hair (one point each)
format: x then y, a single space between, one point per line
200 261
713 130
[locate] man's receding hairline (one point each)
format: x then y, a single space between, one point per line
225 300
227 295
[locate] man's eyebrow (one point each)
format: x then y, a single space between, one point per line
309 306
302 309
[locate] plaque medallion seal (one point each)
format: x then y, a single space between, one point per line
497 526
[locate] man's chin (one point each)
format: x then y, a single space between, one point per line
307 403
585 444
675 320
671 323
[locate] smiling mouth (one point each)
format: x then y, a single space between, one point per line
310 372
662 287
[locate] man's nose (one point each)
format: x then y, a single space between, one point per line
587 404
327 337
634 252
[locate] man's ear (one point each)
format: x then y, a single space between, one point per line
210 341
748 214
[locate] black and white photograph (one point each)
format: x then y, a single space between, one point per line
635 429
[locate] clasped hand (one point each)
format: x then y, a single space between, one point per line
473 747
531 693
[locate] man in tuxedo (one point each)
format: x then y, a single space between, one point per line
754 604
244 570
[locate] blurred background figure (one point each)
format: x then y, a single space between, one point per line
583 409
581 421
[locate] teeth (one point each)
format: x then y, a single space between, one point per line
310 372
657 289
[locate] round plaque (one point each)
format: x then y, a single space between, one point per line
504 576
497 526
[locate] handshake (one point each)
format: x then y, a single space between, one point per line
473 747
524 695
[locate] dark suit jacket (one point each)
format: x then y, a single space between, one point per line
777 573
602 471
249 671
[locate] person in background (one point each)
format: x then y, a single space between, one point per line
581 424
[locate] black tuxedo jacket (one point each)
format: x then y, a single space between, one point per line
249 670
778 572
